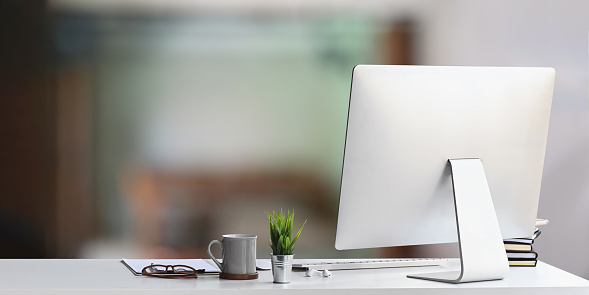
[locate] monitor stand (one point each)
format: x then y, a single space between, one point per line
482 253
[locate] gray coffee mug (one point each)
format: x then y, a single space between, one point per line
238 253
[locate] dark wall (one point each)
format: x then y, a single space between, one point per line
27 131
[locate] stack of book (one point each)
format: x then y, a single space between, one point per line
520 251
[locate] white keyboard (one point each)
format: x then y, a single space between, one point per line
321 264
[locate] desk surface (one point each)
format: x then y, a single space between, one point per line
112 277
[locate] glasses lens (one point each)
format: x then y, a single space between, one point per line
154 269
183 269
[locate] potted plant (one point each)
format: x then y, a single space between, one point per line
282 244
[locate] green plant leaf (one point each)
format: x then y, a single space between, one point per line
287 246
299 233
279 246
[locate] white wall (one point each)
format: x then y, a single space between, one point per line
497 33
532 33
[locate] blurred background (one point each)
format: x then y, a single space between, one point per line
147 128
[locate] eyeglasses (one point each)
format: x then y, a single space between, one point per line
169 271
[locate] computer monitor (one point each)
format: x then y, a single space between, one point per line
439 154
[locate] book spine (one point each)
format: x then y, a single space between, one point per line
530 255
523 264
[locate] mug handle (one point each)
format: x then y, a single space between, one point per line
220 265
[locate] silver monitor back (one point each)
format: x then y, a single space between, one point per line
405 122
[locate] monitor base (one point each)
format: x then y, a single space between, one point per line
446 276
482 254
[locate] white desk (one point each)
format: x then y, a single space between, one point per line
112 277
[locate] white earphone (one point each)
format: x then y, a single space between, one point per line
324 273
